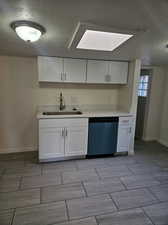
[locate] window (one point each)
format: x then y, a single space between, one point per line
143 86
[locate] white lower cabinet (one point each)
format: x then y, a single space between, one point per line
51 143
76 141
59 138
124 134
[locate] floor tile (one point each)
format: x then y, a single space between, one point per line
9 184
141 169
147 168
31 156
139 181
1 171
129 217
91 163
40 181
158 213
117 171
33 165
83 175
133 198
162 163
58 167
120 160
161 192
85 207
25 171
41 215
19 198
162 177
103 186
62 192
12 164
86 221
6 217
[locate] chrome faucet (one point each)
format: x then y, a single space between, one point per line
62 102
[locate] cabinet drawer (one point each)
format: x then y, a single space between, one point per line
125 121
46 123
77 122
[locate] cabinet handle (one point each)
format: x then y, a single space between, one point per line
66 132
125 121
62 132
107 77
61 76
130 130
65 75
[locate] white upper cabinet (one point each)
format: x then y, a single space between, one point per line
74 70
50 69
118 72
97 71
67 70
53 69
107 72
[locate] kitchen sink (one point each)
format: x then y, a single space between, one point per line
62 113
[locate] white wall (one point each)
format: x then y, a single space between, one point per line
163 138
20 95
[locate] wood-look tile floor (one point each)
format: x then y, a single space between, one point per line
121 190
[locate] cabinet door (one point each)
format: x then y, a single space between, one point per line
51 143
97 71
76 141
74 70
118 72
124 134
50 69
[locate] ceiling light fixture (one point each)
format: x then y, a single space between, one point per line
88 36
27 30
102 41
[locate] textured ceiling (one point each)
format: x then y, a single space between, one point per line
60 18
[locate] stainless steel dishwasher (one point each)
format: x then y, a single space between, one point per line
102 139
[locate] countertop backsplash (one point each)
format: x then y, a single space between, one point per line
85 108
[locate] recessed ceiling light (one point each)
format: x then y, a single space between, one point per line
103 41
27 30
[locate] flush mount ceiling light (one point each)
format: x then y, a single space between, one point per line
88 36
27 30
102 41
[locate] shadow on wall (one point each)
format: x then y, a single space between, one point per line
78 86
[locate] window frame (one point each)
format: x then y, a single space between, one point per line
142 90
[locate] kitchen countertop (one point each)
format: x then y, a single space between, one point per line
87 114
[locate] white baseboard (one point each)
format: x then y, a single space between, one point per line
130 153
20 149
163 142
148 139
